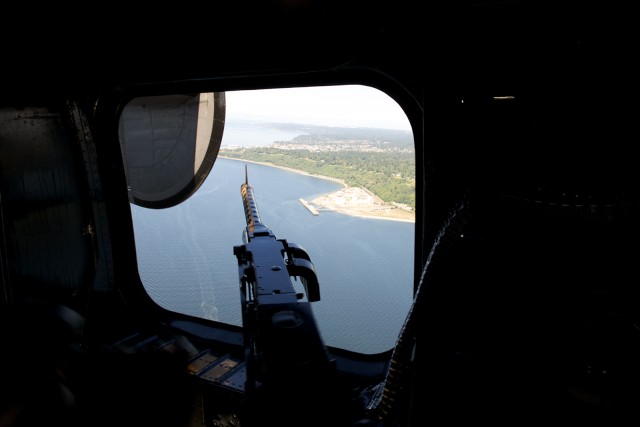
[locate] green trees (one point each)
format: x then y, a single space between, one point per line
390 173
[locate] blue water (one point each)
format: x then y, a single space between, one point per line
364 266
252 134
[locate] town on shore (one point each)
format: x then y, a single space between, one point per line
376 167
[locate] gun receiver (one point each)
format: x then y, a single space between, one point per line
281 340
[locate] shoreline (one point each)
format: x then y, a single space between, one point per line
328 201
366 216
301 172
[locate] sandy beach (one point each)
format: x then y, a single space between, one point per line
354 201
359 202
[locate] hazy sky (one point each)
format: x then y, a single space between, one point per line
342 106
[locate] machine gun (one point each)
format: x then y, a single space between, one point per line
283 347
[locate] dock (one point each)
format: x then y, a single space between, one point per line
308 206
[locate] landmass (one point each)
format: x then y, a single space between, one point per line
359 202
353 201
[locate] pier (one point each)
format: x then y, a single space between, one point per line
308 206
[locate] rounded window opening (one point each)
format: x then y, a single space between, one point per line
333 171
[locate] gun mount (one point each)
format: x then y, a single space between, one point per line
283 346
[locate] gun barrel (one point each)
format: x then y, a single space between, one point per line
254 222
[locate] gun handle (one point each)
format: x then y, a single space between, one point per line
295 250
305 269
300 265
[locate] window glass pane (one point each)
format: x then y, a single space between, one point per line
344 190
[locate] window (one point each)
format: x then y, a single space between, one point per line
333 170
